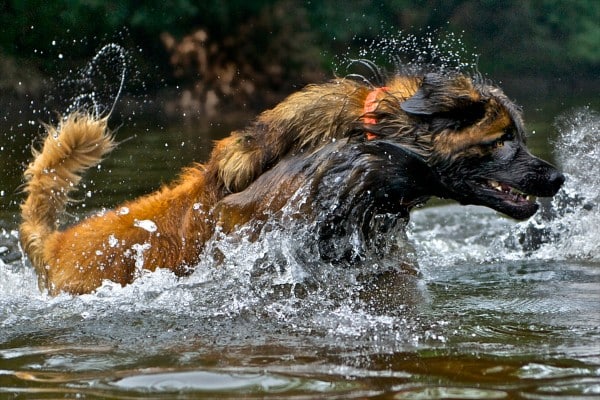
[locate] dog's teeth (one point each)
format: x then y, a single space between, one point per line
495 185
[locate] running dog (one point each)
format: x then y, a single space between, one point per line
342 154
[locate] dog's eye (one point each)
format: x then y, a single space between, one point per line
507 137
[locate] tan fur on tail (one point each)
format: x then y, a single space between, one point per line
78 143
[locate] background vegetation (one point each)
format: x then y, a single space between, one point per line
274 46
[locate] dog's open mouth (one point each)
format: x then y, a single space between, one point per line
510 194
504 198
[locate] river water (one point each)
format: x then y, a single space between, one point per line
500 310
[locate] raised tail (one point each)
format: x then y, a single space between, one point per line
79 142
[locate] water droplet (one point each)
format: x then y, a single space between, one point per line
112 241
145 224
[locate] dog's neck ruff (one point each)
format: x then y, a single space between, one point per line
371 104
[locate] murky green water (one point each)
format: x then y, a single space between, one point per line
487 318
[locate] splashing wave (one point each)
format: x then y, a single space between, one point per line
567 227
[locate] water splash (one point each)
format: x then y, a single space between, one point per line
405 53
100 82
578 149
280 261
567 227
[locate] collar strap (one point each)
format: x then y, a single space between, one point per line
371 104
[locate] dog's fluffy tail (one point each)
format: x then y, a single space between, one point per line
76 144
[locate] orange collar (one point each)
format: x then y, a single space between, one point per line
371 104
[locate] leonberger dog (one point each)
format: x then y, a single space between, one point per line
342 155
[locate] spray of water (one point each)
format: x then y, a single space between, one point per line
567 226
100 82
405 53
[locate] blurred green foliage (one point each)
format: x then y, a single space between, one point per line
538 37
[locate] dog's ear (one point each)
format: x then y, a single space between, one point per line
442 94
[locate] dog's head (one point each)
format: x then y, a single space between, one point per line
471 136
386 149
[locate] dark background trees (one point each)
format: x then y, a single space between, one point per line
275 46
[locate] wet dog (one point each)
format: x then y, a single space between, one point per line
351 159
